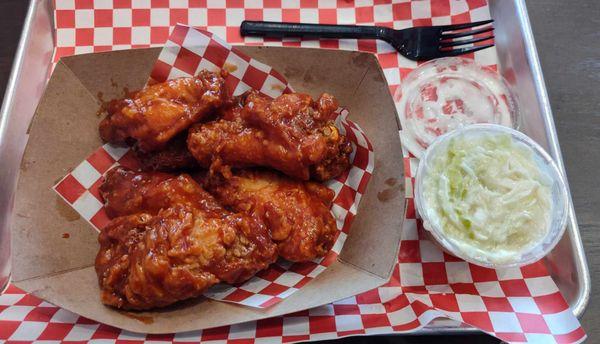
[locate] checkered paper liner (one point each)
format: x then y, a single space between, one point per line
186 53
189 50
518 305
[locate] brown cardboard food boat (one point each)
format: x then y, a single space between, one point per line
60 268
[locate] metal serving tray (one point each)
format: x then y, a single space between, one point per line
518 62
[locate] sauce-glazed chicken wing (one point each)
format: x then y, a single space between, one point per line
296 212
155 114
136 268
175 156
171 240
292 133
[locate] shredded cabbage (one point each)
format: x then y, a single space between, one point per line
489 196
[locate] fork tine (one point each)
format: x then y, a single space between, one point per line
464 41
465 25
462 51
467 33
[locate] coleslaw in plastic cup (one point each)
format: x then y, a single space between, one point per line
491 195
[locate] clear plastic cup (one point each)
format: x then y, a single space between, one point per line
558 213
449 93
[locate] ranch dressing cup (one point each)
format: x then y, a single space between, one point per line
449 93
491 196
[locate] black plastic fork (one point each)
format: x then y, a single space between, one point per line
417 43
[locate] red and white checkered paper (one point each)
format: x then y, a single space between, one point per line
516 305
185 54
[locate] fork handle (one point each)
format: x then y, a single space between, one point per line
279 30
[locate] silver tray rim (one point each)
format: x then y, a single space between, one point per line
583 277
578 308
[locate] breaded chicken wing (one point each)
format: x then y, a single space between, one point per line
292 133
175 156
135 270
171 240
295 212
155 114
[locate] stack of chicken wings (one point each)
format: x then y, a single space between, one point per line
227 186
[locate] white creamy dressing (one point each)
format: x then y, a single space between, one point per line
489 196
446 94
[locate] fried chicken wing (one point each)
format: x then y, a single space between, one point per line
175 156
136 269
125 192
152 116
171 240
292 133
296 212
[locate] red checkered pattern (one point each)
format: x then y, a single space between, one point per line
187 52
85 26
516 305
